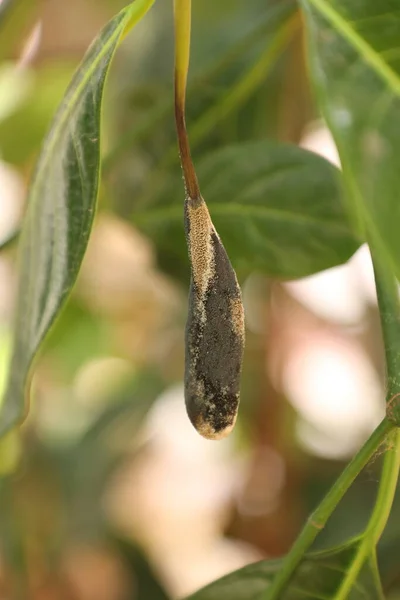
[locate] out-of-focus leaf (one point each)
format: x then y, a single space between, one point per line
16 16
318 577
22 131
14 88
210 83
86 466
355 62
145 581
277 208
61 207
241 68
78 336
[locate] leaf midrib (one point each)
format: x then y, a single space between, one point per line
370 55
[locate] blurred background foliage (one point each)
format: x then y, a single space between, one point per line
115 496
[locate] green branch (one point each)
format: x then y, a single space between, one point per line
389 310
379 517
318 519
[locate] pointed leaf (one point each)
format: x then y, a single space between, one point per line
277 208
61 207
355 62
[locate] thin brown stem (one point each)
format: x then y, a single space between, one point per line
189 173
182 14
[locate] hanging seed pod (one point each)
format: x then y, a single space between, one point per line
215 325
214 330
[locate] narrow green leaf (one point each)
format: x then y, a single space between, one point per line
318 577
60 210
355 62
278 209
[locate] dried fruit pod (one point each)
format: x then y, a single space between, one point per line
214 330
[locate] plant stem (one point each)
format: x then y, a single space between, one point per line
182 22
380 514
317 520
387 488
389 311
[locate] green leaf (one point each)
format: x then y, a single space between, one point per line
355 63
61 207
277 208
318 577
